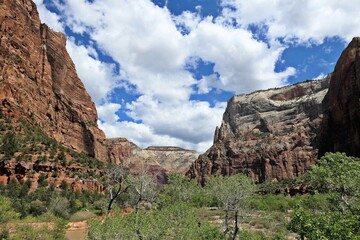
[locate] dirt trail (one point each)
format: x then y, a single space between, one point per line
76 230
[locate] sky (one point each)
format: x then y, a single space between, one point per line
161 71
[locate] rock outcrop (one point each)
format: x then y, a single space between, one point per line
152 159
55 174
341 105
170 159
268 135
38 80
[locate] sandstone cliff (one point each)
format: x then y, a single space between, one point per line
153 159
269 135
341 105
38 80
39 83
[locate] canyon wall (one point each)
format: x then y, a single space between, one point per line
279 133
38 80
268 135
341 105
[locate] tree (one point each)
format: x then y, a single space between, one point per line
181 188
174 221
142 189
7 212
60 207
338 176
9 146
232 194
117 176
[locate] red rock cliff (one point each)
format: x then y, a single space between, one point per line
341 105
38 80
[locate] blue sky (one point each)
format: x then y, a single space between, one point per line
160 72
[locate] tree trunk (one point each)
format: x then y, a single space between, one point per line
236 224
226 223
112 199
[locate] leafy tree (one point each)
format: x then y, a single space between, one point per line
9 146
37 208
181 188
337 175
60 207
175 221
42 180
233 194
7 212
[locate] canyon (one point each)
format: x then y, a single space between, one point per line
39 84
270 135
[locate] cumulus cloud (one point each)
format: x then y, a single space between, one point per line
107 112
154 48
243 63
98 77
300 21
51 19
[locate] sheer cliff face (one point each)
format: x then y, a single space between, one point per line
267 134
38 82
341 106
38 79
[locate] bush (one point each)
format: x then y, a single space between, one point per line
37 208
60 207
9 146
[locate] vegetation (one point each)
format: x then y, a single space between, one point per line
232 194
338 176
136 208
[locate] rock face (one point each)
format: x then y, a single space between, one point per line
341 106
170 159
31 171
38 80
152 159
269 135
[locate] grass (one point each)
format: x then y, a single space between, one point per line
82 216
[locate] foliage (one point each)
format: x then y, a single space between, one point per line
7 212
338 175
9 146
181 188
49 227
142 188
171 222
233 194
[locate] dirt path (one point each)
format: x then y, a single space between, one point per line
76 231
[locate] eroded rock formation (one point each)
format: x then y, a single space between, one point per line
38 80
341 105
269 135
170 159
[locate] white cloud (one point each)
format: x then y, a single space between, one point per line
243 63
107 112
304 21
148 43
51 19
98 77
320 76
191 121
